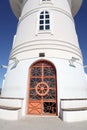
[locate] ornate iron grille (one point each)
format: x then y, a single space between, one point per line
42 89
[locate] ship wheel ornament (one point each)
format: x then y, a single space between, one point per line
42 89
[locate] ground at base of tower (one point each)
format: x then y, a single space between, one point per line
41 123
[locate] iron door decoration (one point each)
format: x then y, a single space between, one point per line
42 89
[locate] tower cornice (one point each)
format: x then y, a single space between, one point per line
16 6
75 6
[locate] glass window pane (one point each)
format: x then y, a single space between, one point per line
47 27
47 21
41 21
41 16
41 27
42 13
46 12
47 16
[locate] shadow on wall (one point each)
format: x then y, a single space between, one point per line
0 91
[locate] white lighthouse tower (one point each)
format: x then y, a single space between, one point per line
45 74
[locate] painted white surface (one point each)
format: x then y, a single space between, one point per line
11 102
74 116
60 44
74 104
29 39
71 81
10 115
18 4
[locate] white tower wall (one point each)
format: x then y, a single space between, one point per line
59 44
61 20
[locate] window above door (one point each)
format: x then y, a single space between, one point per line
46 1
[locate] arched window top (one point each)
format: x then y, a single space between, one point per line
44 21
44 12
46 0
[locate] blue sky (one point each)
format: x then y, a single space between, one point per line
8 25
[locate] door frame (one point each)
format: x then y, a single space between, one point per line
28 93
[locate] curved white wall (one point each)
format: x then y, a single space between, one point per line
71 81
59 46
61 39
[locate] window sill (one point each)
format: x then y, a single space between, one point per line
44 32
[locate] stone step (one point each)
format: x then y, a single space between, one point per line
73 110
11 102
9 113
9 108
74 116
73 103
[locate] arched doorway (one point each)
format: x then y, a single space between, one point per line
42 98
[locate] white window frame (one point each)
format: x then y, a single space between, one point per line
44 21
38 31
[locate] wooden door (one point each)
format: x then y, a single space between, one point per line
42 89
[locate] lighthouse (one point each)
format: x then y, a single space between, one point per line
45 74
